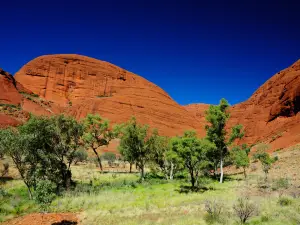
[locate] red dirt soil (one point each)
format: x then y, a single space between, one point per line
45 219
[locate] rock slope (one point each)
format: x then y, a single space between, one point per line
85 85
271 113
16 102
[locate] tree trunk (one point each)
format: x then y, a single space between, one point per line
171 171
245 174
192 178
266 176
196 179
142 172
98 159
130 167
29 191
215 169
221 168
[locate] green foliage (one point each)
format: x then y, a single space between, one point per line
264 157
109 156
44 193
162 156
281 184
284 201
193 153
240 157
41 147
80 156
136 144
28 94
10 106
96 134
217 117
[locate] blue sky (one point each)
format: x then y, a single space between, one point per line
198 51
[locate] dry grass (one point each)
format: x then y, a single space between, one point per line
118 198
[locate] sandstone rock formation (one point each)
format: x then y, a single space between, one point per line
271 113
78 85
8 91
16 102
85 85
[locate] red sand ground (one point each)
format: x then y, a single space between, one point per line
45 219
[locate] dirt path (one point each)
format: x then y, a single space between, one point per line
45 219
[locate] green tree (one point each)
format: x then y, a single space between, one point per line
44 194
217 117
97 133
80 156
193 152
240 157
42 149
264 157
13 144
163 157
135 144
68 133
110 157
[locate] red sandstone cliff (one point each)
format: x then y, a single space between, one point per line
78 85
271 113
85 85
16 102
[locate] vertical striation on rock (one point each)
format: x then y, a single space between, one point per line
85 85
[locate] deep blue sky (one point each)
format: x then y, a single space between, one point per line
198 51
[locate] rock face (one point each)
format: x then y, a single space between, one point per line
78 85
16 102
271 114
85 85
8 91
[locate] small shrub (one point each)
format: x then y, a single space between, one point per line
265 217
44 194
3 193
284 201
80 156
244 209
281 184
110 157
278 150
214 209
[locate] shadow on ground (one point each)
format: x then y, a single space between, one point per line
5 179
185 189
65 222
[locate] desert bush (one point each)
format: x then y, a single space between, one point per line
80 156
284 201
214 209
265 217
244 209
45 193
281 184
110 157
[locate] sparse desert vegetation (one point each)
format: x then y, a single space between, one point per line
54 165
